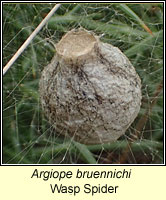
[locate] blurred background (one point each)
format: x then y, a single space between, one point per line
136 29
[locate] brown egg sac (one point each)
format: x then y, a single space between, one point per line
90 91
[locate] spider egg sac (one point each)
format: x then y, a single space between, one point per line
90 91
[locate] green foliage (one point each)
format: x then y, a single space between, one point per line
27 136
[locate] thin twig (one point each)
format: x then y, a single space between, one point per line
141 123
30 38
